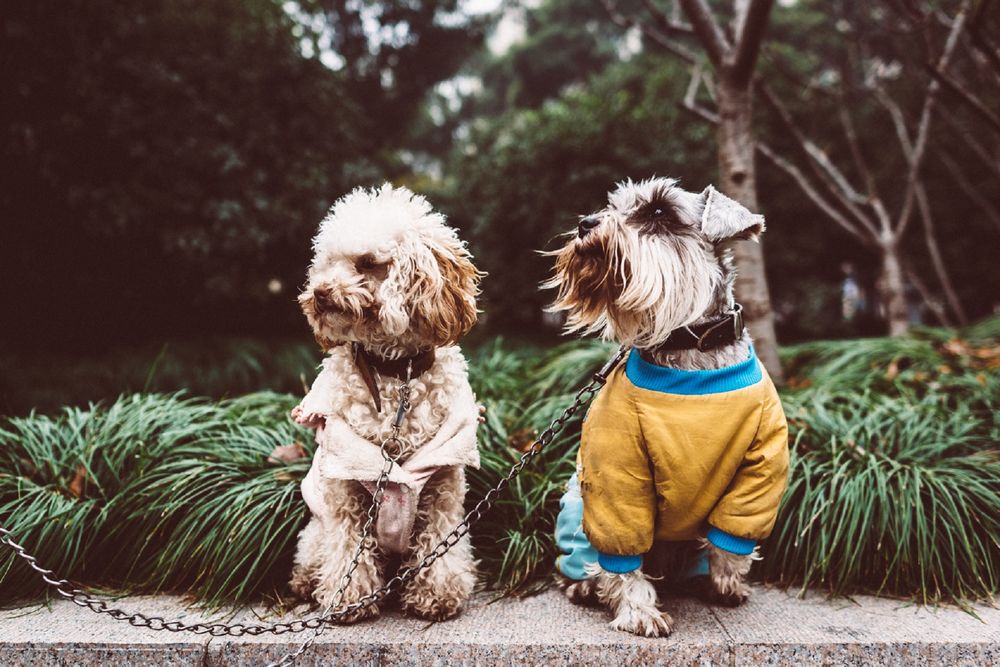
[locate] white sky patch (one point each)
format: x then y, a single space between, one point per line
630 44
453 90
310 28
509 30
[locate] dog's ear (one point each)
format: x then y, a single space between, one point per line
725 219
449 310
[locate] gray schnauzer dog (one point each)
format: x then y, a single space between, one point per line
684 452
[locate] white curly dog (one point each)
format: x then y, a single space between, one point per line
390 291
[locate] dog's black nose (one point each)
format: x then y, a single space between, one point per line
587 224
322 300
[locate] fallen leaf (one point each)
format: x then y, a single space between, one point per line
287 453
523 439
78 485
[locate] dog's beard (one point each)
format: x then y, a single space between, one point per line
634 288
356 320
586 283
381 321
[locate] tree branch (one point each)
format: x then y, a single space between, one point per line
814 195
752 26
658 36
690 104
971 142
930 240
923 127
964 94
932 304
857 155
667 24
979 40
690 98
970 190
707 30
822 167
898 122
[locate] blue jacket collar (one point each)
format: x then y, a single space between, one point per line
692 383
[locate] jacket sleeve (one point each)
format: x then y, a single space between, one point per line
619 498
750 506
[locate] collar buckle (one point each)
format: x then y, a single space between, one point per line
735 317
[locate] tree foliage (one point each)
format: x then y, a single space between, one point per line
523 177
166 162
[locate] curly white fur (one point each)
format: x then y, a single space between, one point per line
393 276
390 275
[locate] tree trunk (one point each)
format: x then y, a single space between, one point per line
891 289
739 181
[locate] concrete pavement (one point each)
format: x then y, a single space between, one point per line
774 628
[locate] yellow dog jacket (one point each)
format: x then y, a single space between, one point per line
669 454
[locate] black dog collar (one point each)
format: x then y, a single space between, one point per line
708 335
403 368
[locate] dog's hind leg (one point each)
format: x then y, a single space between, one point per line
632 599
583 591
439 591
308 557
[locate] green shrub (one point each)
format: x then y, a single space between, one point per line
895 482
154 492
891 496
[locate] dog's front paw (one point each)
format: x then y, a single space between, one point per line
727 573
302 583
432 605
643 622
307 419
732 595
326 595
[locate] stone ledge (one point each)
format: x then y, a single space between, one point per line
774 628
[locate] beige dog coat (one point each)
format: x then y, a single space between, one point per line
342 454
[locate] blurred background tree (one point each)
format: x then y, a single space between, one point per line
166 163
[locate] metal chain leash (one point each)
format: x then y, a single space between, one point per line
64 589
388 460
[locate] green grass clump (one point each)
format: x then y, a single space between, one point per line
894 486
153 493
889 496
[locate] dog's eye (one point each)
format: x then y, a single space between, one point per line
369 265
657 217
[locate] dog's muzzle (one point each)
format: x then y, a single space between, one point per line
323 301
587 225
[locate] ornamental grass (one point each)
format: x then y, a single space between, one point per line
894 487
